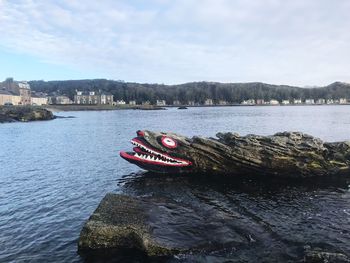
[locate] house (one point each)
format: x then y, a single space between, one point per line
160 103
208 102
18 88
25 93
120 102
61 99
176 103
132 102
8 98
297 101
274 102
309 101
330 101
321 101
223 102
93 97
260 102
248 102
343 101
39 98
285 102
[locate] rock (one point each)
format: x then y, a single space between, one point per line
319 256
119 222
152 226
24 114
284 154
182 108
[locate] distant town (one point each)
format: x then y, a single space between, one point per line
20 93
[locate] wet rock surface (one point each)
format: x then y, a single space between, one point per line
24 114
200 219
319 256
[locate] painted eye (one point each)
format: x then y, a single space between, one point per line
169 142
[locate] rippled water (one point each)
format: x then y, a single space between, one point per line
53 175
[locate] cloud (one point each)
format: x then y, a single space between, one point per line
292 42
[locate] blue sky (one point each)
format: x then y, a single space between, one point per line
174 41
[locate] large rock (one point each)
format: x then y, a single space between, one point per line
219 219
154 226
284 154
24 114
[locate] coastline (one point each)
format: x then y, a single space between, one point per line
76 107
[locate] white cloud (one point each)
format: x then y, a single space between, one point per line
275 41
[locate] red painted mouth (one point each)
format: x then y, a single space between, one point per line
144 154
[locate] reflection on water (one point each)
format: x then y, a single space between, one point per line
242 218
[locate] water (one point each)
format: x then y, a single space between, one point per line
53 174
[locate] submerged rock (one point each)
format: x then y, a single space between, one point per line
24 114
219 219
120 222
156 227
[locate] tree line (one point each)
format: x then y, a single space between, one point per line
194 91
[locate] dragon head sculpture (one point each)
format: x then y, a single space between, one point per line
160 152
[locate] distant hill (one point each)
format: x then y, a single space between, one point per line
193 91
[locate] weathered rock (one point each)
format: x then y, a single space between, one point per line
24 114
209 219
152 226
286 154
319 256
119 222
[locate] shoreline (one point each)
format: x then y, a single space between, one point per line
72 107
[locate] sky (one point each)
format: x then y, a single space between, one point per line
303 43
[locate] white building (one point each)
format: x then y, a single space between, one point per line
343 101
223 102
321 101
309 101
63 100
285 102
248 102
120 102
132 102
208 102
297 101
274 102
330 101
161 103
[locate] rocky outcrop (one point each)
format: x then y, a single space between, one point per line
285 154
221 219
320 256
123 223
24 114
